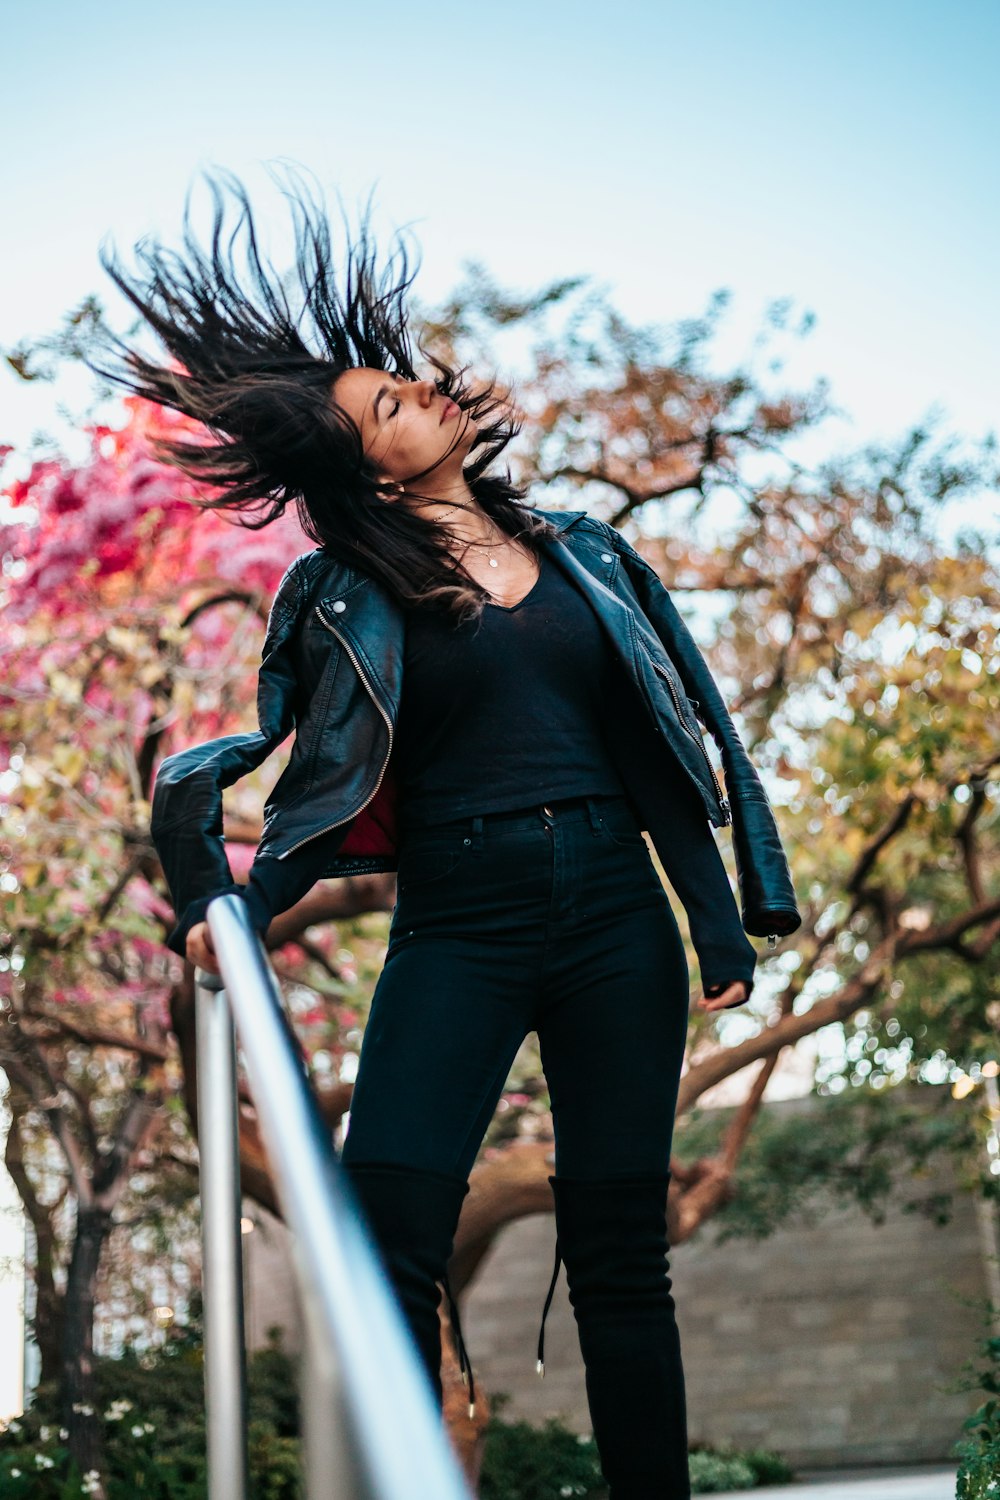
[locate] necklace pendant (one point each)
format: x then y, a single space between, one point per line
494 563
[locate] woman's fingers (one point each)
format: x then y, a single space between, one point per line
733 994
199 948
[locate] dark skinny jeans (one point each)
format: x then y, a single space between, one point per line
512 922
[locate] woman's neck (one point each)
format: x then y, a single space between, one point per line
464 518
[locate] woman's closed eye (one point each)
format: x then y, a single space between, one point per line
395 409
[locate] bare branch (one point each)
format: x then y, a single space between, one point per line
872 850
51 1028
947 934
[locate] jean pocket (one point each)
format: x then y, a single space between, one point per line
424 863
624 832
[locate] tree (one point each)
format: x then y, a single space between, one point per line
857 646
92 655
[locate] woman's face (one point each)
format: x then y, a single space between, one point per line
407 427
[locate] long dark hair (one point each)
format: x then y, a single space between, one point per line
257 374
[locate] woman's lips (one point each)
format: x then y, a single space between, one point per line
450 410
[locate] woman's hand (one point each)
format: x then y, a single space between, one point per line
199 948
722 998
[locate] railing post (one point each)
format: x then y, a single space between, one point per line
222 1242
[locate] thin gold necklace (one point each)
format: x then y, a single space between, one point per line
489 545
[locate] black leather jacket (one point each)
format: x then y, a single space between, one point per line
331 669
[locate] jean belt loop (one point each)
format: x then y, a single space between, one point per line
477 831
595 817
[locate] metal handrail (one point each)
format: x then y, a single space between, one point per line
371 1425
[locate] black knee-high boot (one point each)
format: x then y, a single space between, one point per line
412 1213
612 1237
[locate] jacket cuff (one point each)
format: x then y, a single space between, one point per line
192 914
259 907
722 964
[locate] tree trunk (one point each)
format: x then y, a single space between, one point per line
47 1323
79 1388
47 1330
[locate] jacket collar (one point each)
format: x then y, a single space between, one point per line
561 518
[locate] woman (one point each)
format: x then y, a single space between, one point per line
495 701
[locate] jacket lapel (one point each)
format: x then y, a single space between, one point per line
373 628
636 643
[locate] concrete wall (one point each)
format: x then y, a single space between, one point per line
268 1281
832 1344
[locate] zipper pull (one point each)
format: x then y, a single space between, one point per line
726 809
772 940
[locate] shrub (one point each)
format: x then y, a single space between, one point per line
978 1476
524 1462
152 1406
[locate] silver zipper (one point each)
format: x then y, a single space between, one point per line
324 621
723 801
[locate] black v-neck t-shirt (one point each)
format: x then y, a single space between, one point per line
505 711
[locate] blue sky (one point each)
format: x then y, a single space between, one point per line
840 156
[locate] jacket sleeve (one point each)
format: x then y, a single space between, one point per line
186 815
767 896
693 864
